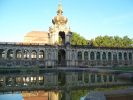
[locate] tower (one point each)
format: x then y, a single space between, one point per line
59 32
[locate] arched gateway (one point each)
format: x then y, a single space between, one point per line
62 57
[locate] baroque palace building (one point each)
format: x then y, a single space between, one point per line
53 49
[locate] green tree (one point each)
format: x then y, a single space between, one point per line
102 41
110 41
127 42
78 40
117 41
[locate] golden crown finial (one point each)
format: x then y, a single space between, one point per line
60 9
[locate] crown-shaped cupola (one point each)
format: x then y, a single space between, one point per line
60 19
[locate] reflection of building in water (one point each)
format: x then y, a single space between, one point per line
54 84
126 94
35 95
40 95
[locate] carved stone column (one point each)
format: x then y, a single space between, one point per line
82 55
5 53
96 78
14 54
37 54
95 55
89 78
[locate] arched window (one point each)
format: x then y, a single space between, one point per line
2 54
79 55
73 55
104 78
80 76
34 54
10 54
92 56
26 54
125 56
85 55
86 77
61 38
109 56
130 56
104 56
120 56
98 78
18 54
92 78
41 54
49 56
115 56
110 78
98 56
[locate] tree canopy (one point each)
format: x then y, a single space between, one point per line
112 41
78 40
102 41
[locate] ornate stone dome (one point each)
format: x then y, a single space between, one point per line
59 20
36 37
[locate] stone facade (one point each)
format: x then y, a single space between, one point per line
18 54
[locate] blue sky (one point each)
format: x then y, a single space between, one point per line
89 18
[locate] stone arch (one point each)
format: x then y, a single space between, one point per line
125 56
34 54
79 55
130 56
61 56
80 78
92 56
109 56
73 55
86 77
2 53
62 37
61 79
120 55
92 76
10 54
110 78
98 55
104 78
49 55
99 78
41 54
115 56
104 56
18 54
26 54
85 55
